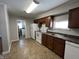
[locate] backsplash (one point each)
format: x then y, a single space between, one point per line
74 32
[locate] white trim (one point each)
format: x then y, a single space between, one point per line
6 52
28 38
15 40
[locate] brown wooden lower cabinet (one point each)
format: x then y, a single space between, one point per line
44 40
50 42
59 46
55 44
47 41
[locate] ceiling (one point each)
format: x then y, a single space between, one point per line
17 7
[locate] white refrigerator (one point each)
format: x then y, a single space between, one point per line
34 28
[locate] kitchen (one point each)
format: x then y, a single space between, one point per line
56 29
53 39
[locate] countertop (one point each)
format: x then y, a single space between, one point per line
74 39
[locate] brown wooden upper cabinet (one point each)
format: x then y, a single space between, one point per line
45 20
36 21
74 18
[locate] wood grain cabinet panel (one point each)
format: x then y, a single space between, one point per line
59 46
47 41
45 20
74 18
36 21
55 44
50 42
44 39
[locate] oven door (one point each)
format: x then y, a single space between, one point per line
38 36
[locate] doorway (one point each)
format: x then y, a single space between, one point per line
21 29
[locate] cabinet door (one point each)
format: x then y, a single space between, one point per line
74 18
44 39
59 46
36 21
50 42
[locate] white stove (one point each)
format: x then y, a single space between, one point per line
39 36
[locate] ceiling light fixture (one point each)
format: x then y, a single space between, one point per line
32 6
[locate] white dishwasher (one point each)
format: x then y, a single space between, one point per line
71 50
38 36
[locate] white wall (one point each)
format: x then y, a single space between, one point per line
13 28
61 9
4 28
28 28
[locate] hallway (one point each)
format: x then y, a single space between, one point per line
30 49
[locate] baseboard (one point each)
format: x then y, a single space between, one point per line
15 40
27 38
6 52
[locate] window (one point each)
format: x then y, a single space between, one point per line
61 22
61 25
